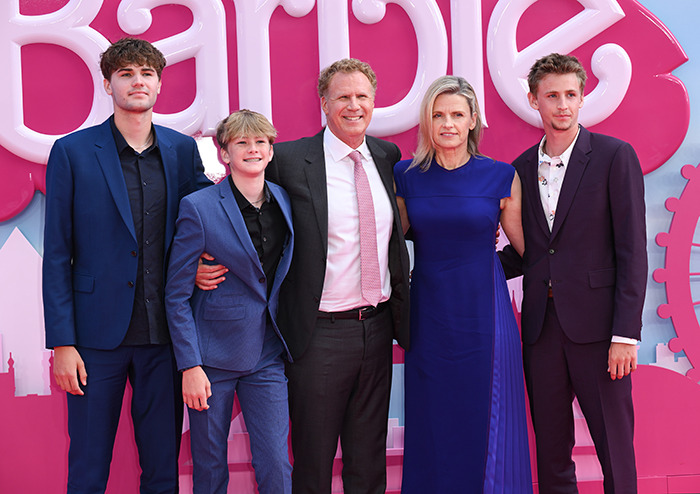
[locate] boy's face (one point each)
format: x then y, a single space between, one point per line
247 156
133 88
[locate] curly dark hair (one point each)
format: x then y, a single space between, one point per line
128 51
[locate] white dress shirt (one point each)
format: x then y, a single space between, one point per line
342 285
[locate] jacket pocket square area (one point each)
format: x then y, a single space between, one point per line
231 313
83 283
602 278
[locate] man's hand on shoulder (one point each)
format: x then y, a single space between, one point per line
209 276
622 360
68 367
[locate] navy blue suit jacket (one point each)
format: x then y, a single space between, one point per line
595 255
225 327
90 248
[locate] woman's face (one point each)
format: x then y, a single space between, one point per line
451 122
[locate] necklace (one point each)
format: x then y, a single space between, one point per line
145 145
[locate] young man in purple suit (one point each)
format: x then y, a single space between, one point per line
585 270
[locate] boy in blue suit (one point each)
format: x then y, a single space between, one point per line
112 196
226 340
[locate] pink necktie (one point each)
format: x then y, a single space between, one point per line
369 260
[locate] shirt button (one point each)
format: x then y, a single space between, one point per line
264 239
551 251
130 284
147 242
262 280
133 253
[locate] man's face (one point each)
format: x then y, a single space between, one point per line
348 105
133 88
247 156
558 100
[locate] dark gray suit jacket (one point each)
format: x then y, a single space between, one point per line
299 167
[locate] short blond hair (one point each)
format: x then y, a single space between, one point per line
347 66
244 123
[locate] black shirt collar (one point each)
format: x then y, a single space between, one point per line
240 198
121 142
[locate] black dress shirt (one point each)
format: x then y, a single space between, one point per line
267 230
145 184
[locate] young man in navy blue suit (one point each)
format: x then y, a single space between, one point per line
585 269
112 197
226 340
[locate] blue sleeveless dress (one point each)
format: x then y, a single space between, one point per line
465 423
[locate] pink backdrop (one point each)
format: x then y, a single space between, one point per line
51 89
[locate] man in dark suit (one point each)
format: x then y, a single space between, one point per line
226 341
339 330
585 269
112 196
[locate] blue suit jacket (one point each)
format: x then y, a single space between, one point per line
90 248
225 327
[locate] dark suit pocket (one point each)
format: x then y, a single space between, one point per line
83 283
602 278
232 313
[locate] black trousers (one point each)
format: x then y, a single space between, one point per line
340 388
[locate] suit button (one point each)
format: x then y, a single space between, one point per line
131 284
133 253
551 251
262 280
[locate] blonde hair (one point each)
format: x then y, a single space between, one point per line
244 123
448 84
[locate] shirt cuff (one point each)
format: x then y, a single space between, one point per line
624 339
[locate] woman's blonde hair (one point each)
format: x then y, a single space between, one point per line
448 84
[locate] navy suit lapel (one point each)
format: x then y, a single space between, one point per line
169 158
228 202
316 178
574 172
108 159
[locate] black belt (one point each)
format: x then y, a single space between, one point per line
359 314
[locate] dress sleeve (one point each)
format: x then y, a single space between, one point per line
505 175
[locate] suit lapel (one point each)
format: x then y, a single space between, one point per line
531 184
385 172
316 178
286 258
228 202
169 158
108 159
574 172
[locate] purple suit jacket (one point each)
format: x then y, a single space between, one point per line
595 255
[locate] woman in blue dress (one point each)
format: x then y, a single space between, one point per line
465 423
